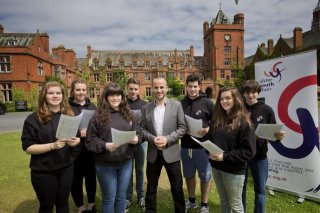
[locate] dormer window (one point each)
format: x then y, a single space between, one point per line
12 42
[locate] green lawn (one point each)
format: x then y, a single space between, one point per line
17 195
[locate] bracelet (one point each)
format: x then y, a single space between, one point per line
51 147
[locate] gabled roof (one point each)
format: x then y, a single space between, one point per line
309 39
140 56
16 39
221 18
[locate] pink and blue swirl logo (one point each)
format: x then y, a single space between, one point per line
275 72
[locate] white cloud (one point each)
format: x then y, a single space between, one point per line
150 24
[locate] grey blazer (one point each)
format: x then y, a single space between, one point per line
174 127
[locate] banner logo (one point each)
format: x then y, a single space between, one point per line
276 71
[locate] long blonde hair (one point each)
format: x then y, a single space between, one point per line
237 114
43 110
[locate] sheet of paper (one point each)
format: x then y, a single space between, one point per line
68 126
267 131
194 125
87 115
208 145
122 137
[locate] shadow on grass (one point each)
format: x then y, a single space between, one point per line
165 202
29 206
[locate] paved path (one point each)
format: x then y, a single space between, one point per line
12 121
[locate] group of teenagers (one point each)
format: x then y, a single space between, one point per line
59 166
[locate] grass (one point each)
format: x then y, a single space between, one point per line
17 195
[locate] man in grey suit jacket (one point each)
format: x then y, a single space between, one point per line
162 125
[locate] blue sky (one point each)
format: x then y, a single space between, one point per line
150 24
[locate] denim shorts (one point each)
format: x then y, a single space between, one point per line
195 159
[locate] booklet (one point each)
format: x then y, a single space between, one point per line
87 115
267 131
68 126
194 125
208 145
122 137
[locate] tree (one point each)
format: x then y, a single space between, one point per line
121 78
57 79
33 98
175 85
18 94
85 74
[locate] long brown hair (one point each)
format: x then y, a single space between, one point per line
43 111
103 112
73 86
237 114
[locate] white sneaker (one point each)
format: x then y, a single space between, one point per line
128 204
204 209
190 205
142 204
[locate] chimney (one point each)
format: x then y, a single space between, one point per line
89 51
1 29
297 38
45 40
191 51
238 19
59 51
270 47
205 27
262 45
70 58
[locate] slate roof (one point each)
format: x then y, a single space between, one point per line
16 39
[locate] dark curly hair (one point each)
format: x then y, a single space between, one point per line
102 115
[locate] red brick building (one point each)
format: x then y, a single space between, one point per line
299 42
223 53
224 46
144 65
25 61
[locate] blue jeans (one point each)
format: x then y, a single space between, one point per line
114 181
259 172
139 158
229 187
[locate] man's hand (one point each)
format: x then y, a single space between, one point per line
160 142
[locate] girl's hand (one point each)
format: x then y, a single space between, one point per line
279 135
59 144
216 157
111 147
74 141
134 140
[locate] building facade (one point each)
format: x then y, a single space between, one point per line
223 55
224 46
25 61
299 42
143 65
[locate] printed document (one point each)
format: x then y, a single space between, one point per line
87 115
122 137
267 131
68 126
194 125
208 145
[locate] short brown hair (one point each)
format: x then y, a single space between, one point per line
133 81
251 86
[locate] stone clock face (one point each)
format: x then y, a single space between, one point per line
227 37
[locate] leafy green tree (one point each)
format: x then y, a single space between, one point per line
85 73
33 98
18 94
175 84
57 79
121 78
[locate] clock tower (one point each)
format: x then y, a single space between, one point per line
224 46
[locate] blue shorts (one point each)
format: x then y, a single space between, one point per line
196 159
